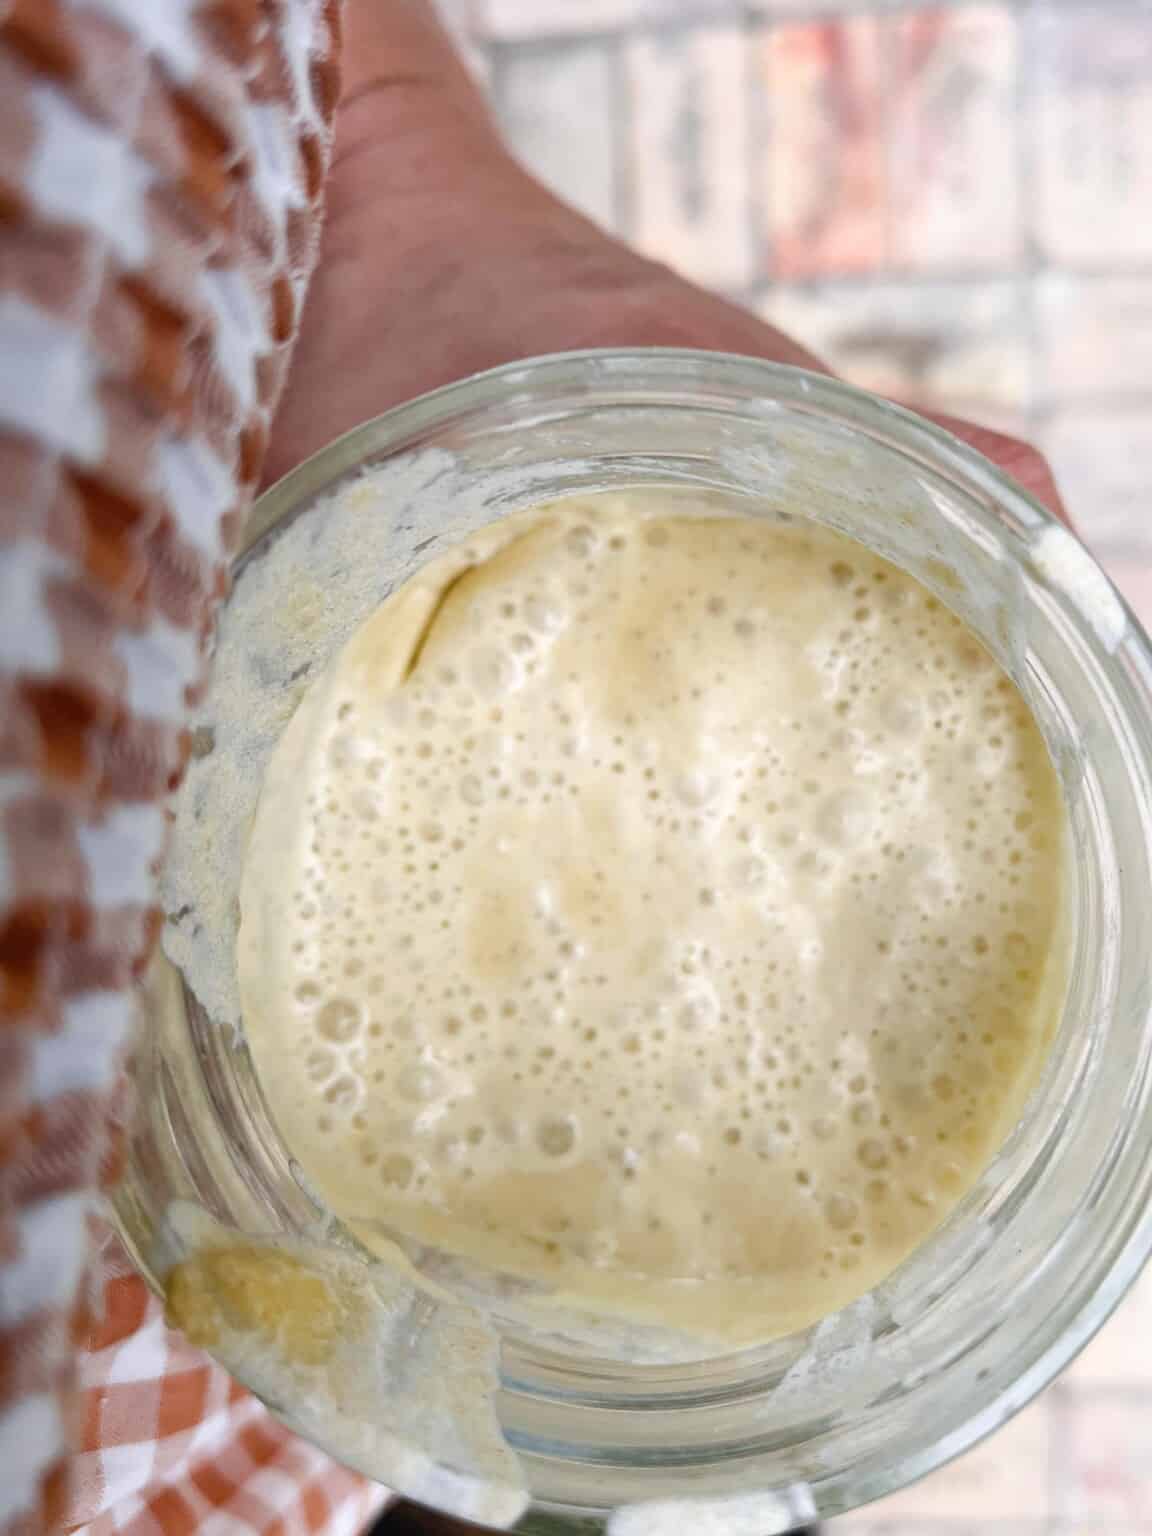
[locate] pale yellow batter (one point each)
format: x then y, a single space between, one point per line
665 907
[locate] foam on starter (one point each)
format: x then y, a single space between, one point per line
664 908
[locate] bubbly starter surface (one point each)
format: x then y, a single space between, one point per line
662 906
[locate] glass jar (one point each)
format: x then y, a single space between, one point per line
983 1315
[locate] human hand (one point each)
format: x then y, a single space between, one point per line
442 257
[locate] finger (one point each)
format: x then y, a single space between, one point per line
1026 464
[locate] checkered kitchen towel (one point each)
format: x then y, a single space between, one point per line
169 1445
161 163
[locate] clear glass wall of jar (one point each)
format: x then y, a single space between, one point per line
1035 1258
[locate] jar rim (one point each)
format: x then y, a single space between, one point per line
626 370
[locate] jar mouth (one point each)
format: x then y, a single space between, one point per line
985 1313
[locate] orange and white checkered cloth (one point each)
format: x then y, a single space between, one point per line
161 165
169 1445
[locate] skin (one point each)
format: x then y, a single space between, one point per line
441 256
